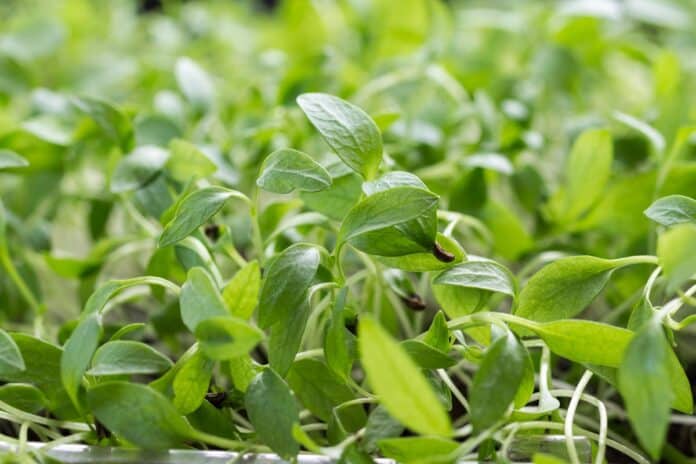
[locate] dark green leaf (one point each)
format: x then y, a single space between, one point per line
286 281
347 129
23 396
139 414
79 348
645 385
497 380
273 411
286 170
194 210
484 275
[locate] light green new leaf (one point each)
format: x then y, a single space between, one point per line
272 411
226 337
396 206
241 294
672 210
586 341
676 251
200 299
347 129
10 356
418 450
286 170
287 278
194 210
565 287
191 383
398 382
484 275
139 414
645 385
138 168
194 83
10 159
587 173
187 161
497 380
127 357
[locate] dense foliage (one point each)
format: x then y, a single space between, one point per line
406 228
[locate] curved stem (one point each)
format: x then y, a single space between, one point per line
568 426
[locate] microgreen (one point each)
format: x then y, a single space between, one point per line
337 230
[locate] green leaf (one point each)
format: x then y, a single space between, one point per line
398 382
194 83
383 223
320 391
241 294
10 159
127 357
335 201
79 348
200 299
419 450
23 396
187 161
426 356
191 383
672 210
272 411
286 281
226 337
460 301
645 385
484 275
347 129
286 170
194 210
426 261
138 168
139 414
496 381
586 341
587 173
677 254
286 337
564 288
437 334
10 356
115 125
336 349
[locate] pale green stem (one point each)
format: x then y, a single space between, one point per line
568 426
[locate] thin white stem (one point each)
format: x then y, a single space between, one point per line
568 428
455 391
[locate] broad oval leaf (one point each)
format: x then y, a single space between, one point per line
10 159
23 396
272 411
676 251
645 385
347 129
138 168
418 450
564 288
672 210
200 299
287 278
226 337
139 414
194 210
398 382
497 380
286 170
127 357
195 83
393 207
484 275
